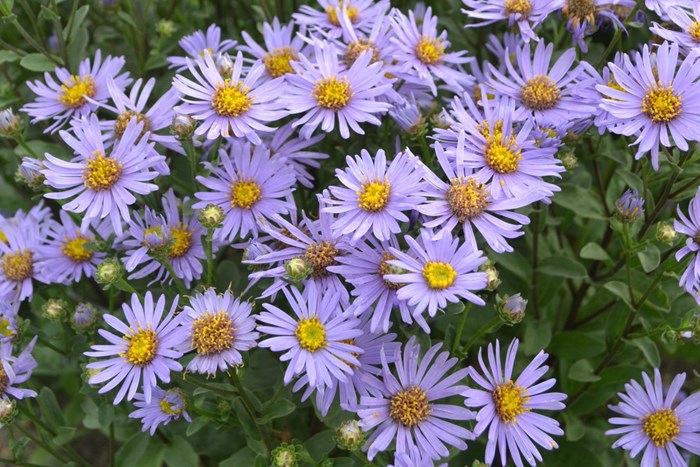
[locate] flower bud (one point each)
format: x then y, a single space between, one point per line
569 160
630 206
284 455
109 271
350 436
492 275
8 328
211 216
479 464
29 173
224 64
298 269
665 233
11 124
8 410
182 126
165 28
54 309
408 117
511 309
440 120
84 317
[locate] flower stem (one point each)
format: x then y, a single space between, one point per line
460 327
236 381
492 325
209 241
178 282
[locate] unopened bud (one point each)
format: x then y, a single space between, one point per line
211 216
350 436
284 455
165 28
569 160
630 206
182 126
666 233
298 269
29 173
8 410
54 309
8 328
439 120
109 271
492 275
511 309
84 317
11 124
225 65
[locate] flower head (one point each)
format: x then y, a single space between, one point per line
20 253
361 13
690 227
526 14
281 47
199 44
164 407
630 206
687 21
16 370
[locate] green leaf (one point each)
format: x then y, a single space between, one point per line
7 56
582 371
50 409
617 316
576 345
620 290
320 444
649 349
64 435
279 409
245 456
561 266
197 424
538 335
594 251
580 201
649 257
75 22
179 453
632 180
37 62
132 450
575 429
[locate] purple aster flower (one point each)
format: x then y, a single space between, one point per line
426 52
164 407
20 252
437 271
314 339
548 94
8 321
375 195
507 407
365 265
362 14
292 151
407 410
282 47
143 354
248 186
218 327
662 7
688 21
325 92
465 199
630 206
658 99
504 50
656 423
237 105
689 226
16 370
102 182
75 95
69 251
583 17
199 44
527 14
408 116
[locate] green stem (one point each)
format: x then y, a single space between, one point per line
236 381
188 145
178 282
38 47
208 387
41 443
20 140
494 324
460 327
616 38
209 245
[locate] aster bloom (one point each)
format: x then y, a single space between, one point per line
507 408
630 206
237 105
218 327
426 52
8 321
16 370
292 150
143 354
689 226
164 407
465 199
248 186
102 182
688 21
654 422
658 99
325 92
361 13
437 272
365 265
547 93
67 255
75 95
199 44
375 195
314 340
583 16
526 14
281 47
408 116
408 410
20 251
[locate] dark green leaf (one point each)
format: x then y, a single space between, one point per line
75 22
649 257
561 266
8 56
620 290
37 62
179 453
280 408
50 410
594 251
132 450
574 428
582 371
64 435
649 349
245 456
538 334
580 201
320 444
576 345
197 424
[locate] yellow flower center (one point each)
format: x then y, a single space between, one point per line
373 196
332 93
503 158
429 50
694 31
4 380
169 409
206 51
662 426
439 275
231 100
467 199
661 104
410 406
279 61
540 93
245 193
522 7
311 334
123 121
141 347
355 49
580 10
101 173
510 399
5 329
75 90
320 256
75 249
212 333
3 237
18 265
386 268
182 241
353 13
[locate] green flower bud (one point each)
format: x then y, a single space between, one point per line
54 309
569 160
211 216
109 271
284 455
182 126
350 436
665 233
165 28
298 269
8 410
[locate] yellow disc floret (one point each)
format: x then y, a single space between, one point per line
166 407
410 406
75 90
540 93
212 333
311 334
141 347
439 275
101 173
521 7
467 198
4 380
231 99
278 62
18 265
503 158
510 399
355 49
662 426
182 241
245 193
661 104
75 249
332 93
373 196
352 11
123 121
429 50
386 268
694 31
